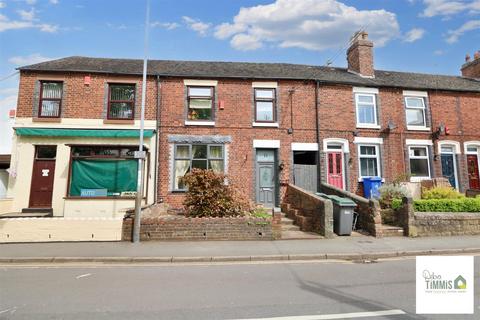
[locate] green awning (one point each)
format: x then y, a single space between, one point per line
110 133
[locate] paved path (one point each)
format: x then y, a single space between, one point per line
340 245
216 292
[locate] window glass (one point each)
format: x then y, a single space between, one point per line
472 149
121 101
414 102
200 103
415 117
202 156
366 109
419 167
46 152
50 100
266 177
264 111
367 150
264 105
265 156
368 167
446 149
419 152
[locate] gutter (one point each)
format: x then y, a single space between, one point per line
317 132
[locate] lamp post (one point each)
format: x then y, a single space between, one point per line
140 154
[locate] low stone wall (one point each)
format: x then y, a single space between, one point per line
184 228
424 224
472 193
369 212
310 212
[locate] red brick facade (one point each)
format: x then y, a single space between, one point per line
296 110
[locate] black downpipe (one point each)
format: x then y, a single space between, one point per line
317 131
157 167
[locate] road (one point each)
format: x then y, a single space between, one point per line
214 291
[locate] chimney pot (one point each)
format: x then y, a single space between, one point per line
467 58
471 67
476 55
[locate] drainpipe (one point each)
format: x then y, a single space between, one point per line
317 131
157 142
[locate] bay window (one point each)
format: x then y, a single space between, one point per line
200 103
50 99
121 102
201 156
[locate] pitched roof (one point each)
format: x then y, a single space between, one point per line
248 70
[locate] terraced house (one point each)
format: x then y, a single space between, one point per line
264 124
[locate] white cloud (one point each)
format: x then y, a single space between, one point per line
453 35
439 52
196 25
116 27
414 35
7 24
30 59
447 8
54 1
165 25
31 2
2 4
308 24
27 15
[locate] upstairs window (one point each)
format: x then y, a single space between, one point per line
200 103
121 103
50 99
415 111
265 105
366 106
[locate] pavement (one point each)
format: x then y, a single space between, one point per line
340 248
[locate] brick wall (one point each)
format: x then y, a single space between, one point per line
184 228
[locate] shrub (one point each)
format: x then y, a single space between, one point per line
441 193
447 205
388 192
209 196
396 204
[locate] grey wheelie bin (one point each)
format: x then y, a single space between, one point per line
342 215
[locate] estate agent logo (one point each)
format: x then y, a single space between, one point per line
444 285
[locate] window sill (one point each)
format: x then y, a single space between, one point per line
178 191
119 121
418 179
415 128
57 120
99 198
361 179
368 126
265 124
200 123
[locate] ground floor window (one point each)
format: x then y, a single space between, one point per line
103 171
419 162
369 160
202 156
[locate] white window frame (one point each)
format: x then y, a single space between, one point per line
423 108
374 125
410 157
376 156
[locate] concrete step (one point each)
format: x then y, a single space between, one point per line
391 231
287 221
290 227
297 235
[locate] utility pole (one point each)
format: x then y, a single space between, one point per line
140 154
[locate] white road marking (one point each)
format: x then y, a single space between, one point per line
84 275
9 309
353 315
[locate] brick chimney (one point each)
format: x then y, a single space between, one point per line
471 68
360 55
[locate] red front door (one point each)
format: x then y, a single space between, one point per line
335 169
41 189
473 176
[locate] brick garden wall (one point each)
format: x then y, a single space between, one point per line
184 228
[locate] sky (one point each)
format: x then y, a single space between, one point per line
430 36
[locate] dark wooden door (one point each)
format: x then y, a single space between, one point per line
448 168
473 176
266 178
335 169
43 174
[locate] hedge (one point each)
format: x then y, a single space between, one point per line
396 204
447 205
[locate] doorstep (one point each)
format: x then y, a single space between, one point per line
10 215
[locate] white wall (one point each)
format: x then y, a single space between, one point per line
3 183
6 129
